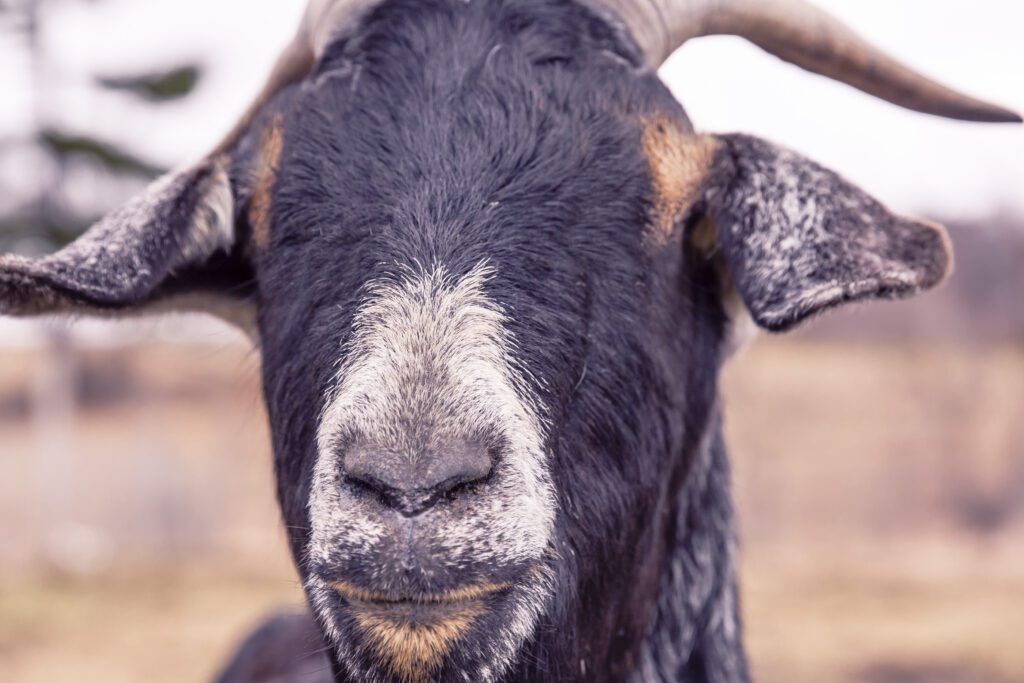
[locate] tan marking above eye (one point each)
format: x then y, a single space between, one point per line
679 162
266 172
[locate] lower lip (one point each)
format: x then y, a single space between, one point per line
458 595
437 605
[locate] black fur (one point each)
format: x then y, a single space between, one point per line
391 158
287 648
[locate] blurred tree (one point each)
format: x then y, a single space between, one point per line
157 87
47 218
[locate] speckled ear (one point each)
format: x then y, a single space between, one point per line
798 239
168 248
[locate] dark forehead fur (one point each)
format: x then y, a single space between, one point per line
449 133
445 132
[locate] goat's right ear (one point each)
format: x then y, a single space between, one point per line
172 247
796 239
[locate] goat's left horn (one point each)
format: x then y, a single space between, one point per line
805 35
322 20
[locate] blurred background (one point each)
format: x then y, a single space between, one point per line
878 454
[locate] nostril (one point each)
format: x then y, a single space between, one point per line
366 483
455 466
413 484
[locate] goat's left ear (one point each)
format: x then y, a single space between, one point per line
797 239
173 247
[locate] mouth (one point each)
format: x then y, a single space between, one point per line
458 600
411 634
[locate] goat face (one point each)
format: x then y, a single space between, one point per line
461 324
493 273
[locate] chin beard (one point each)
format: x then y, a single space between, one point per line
469 635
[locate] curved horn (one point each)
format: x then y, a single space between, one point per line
322 20
798 32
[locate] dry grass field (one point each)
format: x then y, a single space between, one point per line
880 488
881 493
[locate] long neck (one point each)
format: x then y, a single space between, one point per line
695 633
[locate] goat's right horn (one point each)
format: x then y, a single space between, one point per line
805 35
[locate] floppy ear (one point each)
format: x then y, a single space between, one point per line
175 246
796 239
172 247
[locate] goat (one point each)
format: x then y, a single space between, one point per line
493 272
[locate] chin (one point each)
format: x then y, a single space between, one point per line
467 632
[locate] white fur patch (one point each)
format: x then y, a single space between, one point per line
213 223
430 359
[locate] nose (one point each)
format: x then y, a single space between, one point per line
411 484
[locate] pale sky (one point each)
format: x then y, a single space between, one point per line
914 162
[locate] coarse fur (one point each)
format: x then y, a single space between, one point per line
486 225
557 207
